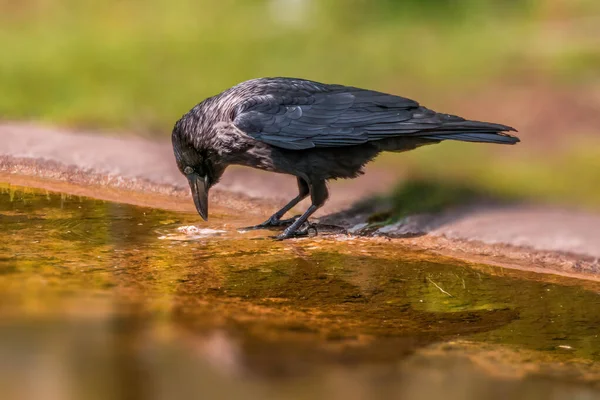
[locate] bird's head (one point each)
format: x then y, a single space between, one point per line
201 166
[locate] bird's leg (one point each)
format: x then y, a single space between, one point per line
318 195
275 219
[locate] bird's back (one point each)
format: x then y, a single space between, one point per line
298 114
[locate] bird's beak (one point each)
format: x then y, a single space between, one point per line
199 187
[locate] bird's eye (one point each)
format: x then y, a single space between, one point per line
188 170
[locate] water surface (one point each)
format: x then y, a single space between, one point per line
101 300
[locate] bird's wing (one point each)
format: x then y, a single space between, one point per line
305 115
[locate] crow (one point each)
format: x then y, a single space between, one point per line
311 130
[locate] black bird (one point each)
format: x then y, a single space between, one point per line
308 129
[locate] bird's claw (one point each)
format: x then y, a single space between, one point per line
271 223
307 230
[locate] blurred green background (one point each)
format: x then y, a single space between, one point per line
136 66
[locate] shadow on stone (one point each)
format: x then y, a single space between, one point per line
416 207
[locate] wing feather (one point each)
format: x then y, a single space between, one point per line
304 114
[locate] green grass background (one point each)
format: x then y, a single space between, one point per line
138 65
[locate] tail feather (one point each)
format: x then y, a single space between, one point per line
477 125
472 131
480 137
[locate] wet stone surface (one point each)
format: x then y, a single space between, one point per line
102 300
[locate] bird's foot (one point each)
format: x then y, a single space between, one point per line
272 222
307 230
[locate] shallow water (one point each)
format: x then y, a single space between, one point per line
101 300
